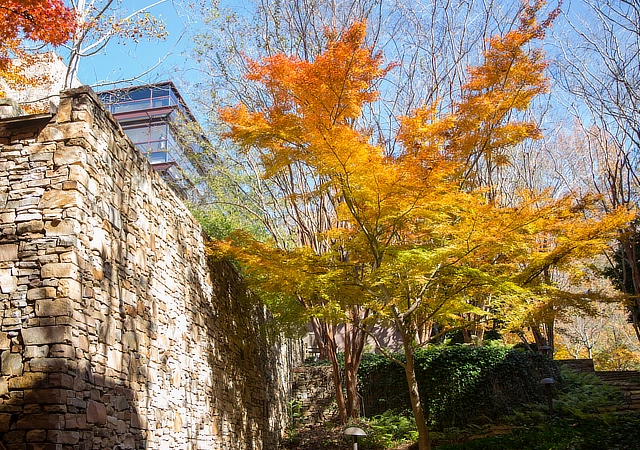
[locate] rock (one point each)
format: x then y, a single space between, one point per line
11 363
96 413
58 334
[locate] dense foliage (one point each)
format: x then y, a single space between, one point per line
458 384
619 433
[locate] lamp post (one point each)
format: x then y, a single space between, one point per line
355 432
546 350
547 383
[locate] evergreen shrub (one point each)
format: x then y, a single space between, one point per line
458 384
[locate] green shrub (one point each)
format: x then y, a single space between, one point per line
390 429
621 432
458 384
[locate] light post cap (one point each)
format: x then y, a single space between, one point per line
547 381
354 431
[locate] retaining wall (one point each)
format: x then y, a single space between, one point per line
115 333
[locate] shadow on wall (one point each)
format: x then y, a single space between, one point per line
62 382
115 333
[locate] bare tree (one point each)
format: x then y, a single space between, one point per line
599 69
100 22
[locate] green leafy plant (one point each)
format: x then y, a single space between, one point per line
459 384
390 429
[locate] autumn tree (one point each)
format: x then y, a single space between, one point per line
432 43
36 22
414 239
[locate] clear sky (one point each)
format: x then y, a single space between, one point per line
127 59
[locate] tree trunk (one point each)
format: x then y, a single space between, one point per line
424 442
351 363
354 338
538 336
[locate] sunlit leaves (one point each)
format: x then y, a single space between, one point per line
416 237
30 21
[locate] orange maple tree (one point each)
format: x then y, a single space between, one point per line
37 21
416 238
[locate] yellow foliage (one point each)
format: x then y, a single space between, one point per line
412 240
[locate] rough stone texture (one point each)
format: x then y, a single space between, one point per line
115 332
313 395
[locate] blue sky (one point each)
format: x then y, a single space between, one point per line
127 59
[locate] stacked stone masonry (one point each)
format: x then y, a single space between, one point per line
115 330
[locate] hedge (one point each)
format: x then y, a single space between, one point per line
458 384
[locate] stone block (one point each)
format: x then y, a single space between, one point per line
70 288
66 155
45 396
32 226
76 422
29 380
14 439
7 217
8 283
50 134
59 270
12 363
62 380
36 351
36 435
96 413
60 199
64 227
26 217
73 130
64 110
9 108
130 340
49 365
40 422
63 351
63 437
8 252
59 334
5 342
40 293
79 174
54 308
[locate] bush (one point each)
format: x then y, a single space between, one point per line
458 384
390 429
620 432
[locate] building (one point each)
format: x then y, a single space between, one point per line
162 127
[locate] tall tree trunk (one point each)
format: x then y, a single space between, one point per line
355 336
424 442
408 334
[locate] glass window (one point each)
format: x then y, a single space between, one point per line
160 101
159 157
138 135
158 132
137 94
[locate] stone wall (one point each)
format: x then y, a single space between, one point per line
114 332
314 395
